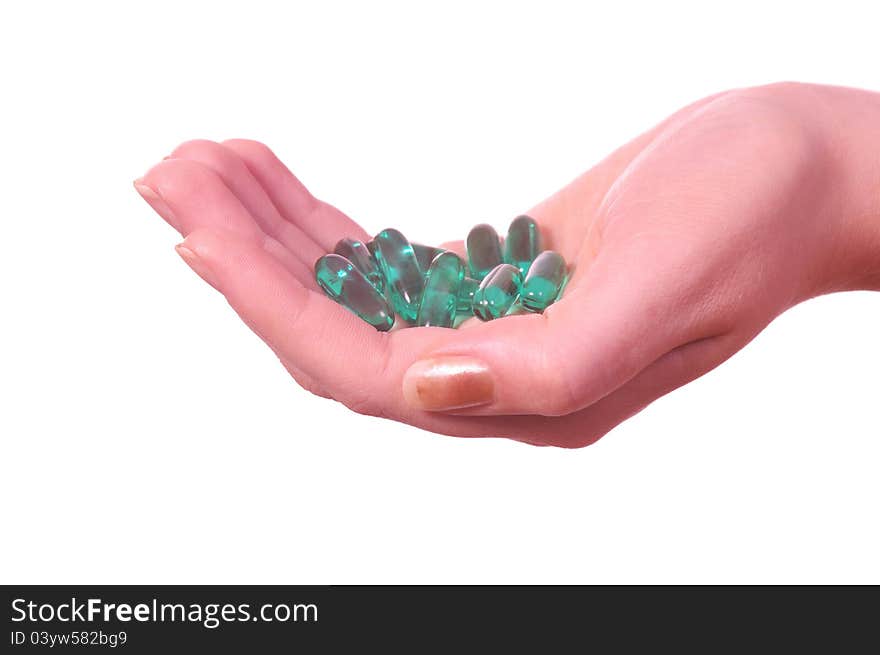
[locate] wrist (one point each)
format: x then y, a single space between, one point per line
848 122
840 197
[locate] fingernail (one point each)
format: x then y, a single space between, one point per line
446 383
197 264
155 201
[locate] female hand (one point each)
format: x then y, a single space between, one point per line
682 246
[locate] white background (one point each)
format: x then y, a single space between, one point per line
148 436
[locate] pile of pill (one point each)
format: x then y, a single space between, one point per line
430 286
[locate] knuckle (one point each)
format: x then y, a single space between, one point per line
305 381
558 394
363 404
250 148
375 400
211 154
557 379
194 146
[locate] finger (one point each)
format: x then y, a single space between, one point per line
672 370
236 175
194 262
338 352
323 222
189 196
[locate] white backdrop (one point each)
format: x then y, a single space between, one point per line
148 436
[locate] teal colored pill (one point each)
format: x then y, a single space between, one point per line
359 255
523 243
466 291
543 282
440 297
425 255
345 284
483 250
400 268
497 292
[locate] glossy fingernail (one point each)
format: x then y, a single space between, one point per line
197 264
155 201
447 383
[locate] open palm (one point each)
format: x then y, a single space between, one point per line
680 246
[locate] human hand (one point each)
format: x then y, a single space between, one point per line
682 246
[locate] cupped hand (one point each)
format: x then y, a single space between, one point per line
682 246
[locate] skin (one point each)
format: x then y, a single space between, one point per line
683 245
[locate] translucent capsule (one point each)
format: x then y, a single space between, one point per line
359 255
523 243
483 250
497 292
345 284
543 282
425 255
466 291
440 297
400 268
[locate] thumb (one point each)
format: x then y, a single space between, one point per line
615 319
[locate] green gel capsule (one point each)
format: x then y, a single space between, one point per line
425 255
440 297
523 243
543 281
400 268
345 284
483 250
497 292
359 255
466 291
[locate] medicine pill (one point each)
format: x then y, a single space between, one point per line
497 292
523 243
345 284
426 286
425 255
483 250
543 281
466 293
440 296
358 254
400 268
